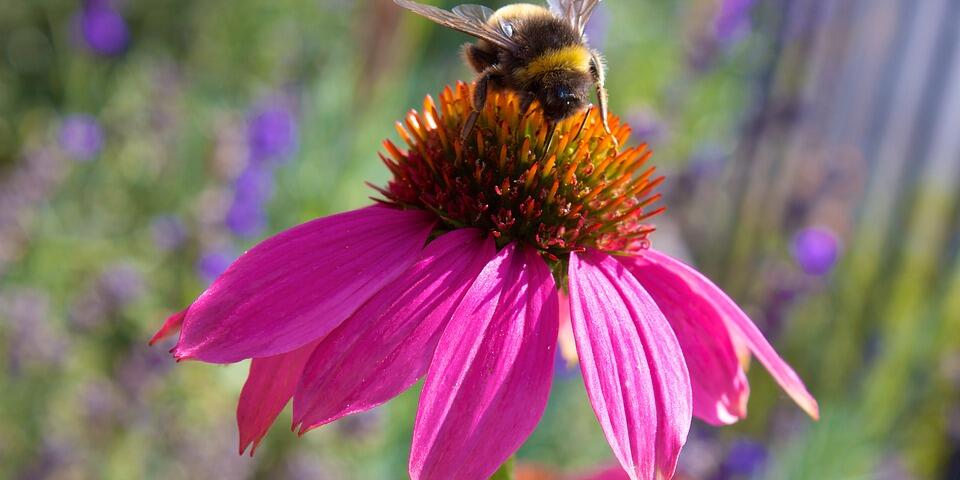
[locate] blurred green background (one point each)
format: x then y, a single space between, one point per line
812 150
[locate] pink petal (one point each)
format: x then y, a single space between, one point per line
609 473
720 388
300 284
740 327
632 366
169 327
490 377
269 386
387 345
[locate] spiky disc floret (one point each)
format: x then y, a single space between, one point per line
575 193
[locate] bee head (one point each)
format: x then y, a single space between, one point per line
563 94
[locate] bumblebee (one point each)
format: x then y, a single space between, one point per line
538 52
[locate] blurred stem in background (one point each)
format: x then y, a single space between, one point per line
143 145
876 138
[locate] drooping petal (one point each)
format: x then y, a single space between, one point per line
490 376
270 384
632 366
720 388
300 284
740 327
387 345
170 326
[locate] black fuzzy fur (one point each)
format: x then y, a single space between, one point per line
535 35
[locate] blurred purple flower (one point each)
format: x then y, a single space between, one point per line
122 284
246 217
272 133
701 456
168 232
213 263
101 405
596 30
780 297
117 286
707 164
732 18
255 184
24 189
563 370
646 124
89 311
104 30
32 340
745 458
81 137
360 425
701 170
953 424
303 466
54 454
208 455
816 250
141 366
272 137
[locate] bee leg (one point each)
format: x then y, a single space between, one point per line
597 71
525 102
551 129
479 99
586 116
468 126
478 58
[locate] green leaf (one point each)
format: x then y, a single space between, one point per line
505 472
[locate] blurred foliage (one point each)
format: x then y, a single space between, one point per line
143 144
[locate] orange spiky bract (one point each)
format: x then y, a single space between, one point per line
573 194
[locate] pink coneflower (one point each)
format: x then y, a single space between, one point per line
456 275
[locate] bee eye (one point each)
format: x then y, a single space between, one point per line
566 96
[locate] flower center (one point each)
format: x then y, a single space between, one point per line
568 194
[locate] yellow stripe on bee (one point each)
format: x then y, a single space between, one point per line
574 57
518 10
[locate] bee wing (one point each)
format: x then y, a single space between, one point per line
477 12
483 14
469 19
577 12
